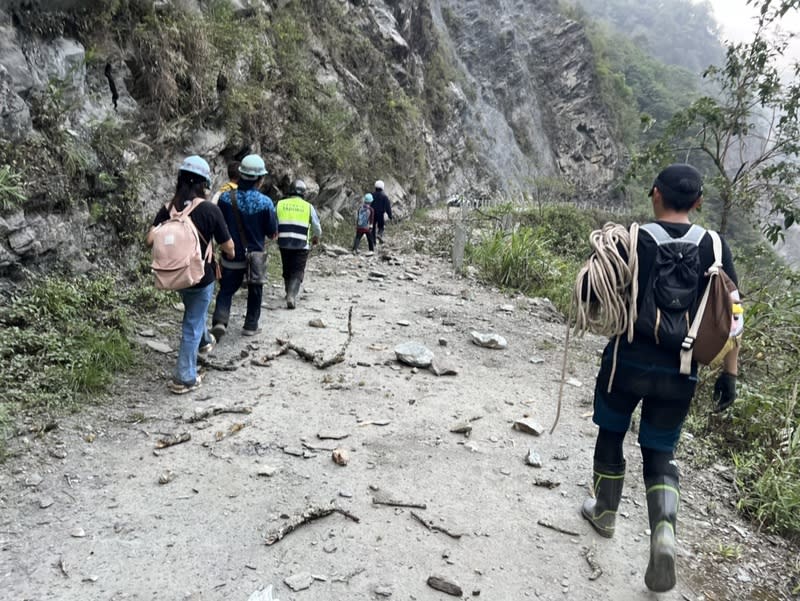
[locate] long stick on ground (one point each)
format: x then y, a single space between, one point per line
397 503
552 526
317 357
434 527
309 515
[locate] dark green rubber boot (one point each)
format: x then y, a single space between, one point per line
663 495
601 511
292 290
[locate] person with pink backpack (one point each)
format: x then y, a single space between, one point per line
183 260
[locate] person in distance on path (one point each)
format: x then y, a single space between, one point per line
382 208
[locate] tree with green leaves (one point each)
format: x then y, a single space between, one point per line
747 136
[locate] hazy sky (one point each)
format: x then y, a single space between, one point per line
738 22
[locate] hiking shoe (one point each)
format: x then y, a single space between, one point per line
218 330
181 388
246 332
207 348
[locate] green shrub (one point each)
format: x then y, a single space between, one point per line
12 192
61 340
761 430
527 260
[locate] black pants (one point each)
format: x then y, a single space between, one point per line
357 240
231 282
294 263
377 227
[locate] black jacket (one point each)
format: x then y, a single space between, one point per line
381 205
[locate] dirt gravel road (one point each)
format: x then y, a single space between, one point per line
83 515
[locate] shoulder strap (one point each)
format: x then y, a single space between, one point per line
173 212
717 244
712 272
238 215
694 235
657 233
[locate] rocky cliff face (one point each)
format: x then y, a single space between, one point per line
434 96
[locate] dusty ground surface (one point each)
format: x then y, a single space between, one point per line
84 517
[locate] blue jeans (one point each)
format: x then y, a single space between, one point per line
230 282
193 331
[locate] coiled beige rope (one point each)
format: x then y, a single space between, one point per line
606 288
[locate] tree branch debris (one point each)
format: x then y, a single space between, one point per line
316 358
597 570
380 500
552 526
172 440
434 527
309 515
201 414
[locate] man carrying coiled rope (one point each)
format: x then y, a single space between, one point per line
671 258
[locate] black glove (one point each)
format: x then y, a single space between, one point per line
724 391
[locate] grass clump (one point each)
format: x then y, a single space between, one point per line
536 251
61 340
12 193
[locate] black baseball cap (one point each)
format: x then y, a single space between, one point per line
680 185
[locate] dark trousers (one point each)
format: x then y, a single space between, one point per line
377 227
293 262
230 282
357 240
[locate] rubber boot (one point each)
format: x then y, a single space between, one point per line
292 290
663 495
601 510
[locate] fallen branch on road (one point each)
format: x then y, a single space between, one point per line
200 415
396 503
309 515
316 358
597 570
434 527
172 440
552 526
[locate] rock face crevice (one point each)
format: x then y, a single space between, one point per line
486 95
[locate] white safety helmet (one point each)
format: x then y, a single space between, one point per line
252 166
379 184
198 165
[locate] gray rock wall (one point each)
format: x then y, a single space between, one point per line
522 103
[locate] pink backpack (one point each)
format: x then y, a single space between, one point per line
177 260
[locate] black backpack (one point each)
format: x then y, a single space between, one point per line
668 303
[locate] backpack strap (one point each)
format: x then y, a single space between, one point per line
694 235
657 233
688 343
238 216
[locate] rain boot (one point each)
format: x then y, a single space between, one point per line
292 290
601 511
663 495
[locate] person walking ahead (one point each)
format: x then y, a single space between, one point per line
645 371
298 228
365 217
251 215
192 188
382 207
232 183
